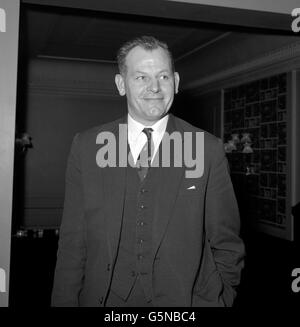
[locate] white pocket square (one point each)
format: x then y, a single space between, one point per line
191 187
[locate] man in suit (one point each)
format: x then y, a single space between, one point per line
142 234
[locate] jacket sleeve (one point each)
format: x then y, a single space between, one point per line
222 224
71 255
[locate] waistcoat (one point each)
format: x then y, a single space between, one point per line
133 262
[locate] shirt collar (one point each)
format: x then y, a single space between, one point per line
135 128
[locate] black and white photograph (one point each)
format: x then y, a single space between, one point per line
150 156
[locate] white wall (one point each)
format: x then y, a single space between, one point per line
8 84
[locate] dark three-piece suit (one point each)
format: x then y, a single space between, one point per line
175 239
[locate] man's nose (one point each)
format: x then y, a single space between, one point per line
154 85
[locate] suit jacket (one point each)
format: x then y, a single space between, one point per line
195 227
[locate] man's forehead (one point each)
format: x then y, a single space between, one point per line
140 56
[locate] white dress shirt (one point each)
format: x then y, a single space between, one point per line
137 138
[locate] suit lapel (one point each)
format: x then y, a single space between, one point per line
169 181
114 184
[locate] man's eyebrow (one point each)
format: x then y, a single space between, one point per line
165 71
160 72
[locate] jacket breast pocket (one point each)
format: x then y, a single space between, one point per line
191 187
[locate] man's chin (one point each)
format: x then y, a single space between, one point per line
156 113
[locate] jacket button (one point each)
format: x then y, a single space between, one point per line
108 267
101 300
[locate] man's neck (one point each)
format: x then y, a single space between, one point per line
145 122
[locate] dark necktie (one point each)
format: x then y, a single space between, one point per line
144 160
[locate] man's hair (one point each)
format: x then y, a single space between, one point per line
148 43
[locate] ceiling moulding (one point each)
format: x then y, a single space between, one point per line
98 61
276 61
204 45
72 88
70 78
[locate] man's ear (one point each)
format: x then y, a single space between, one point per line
119 80
176 80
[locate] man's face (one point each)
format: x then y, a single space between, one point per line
149 84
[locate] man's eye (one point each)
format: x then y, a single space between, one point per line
141 78
164 77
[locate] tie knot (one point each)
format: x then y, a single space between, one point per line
148 131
